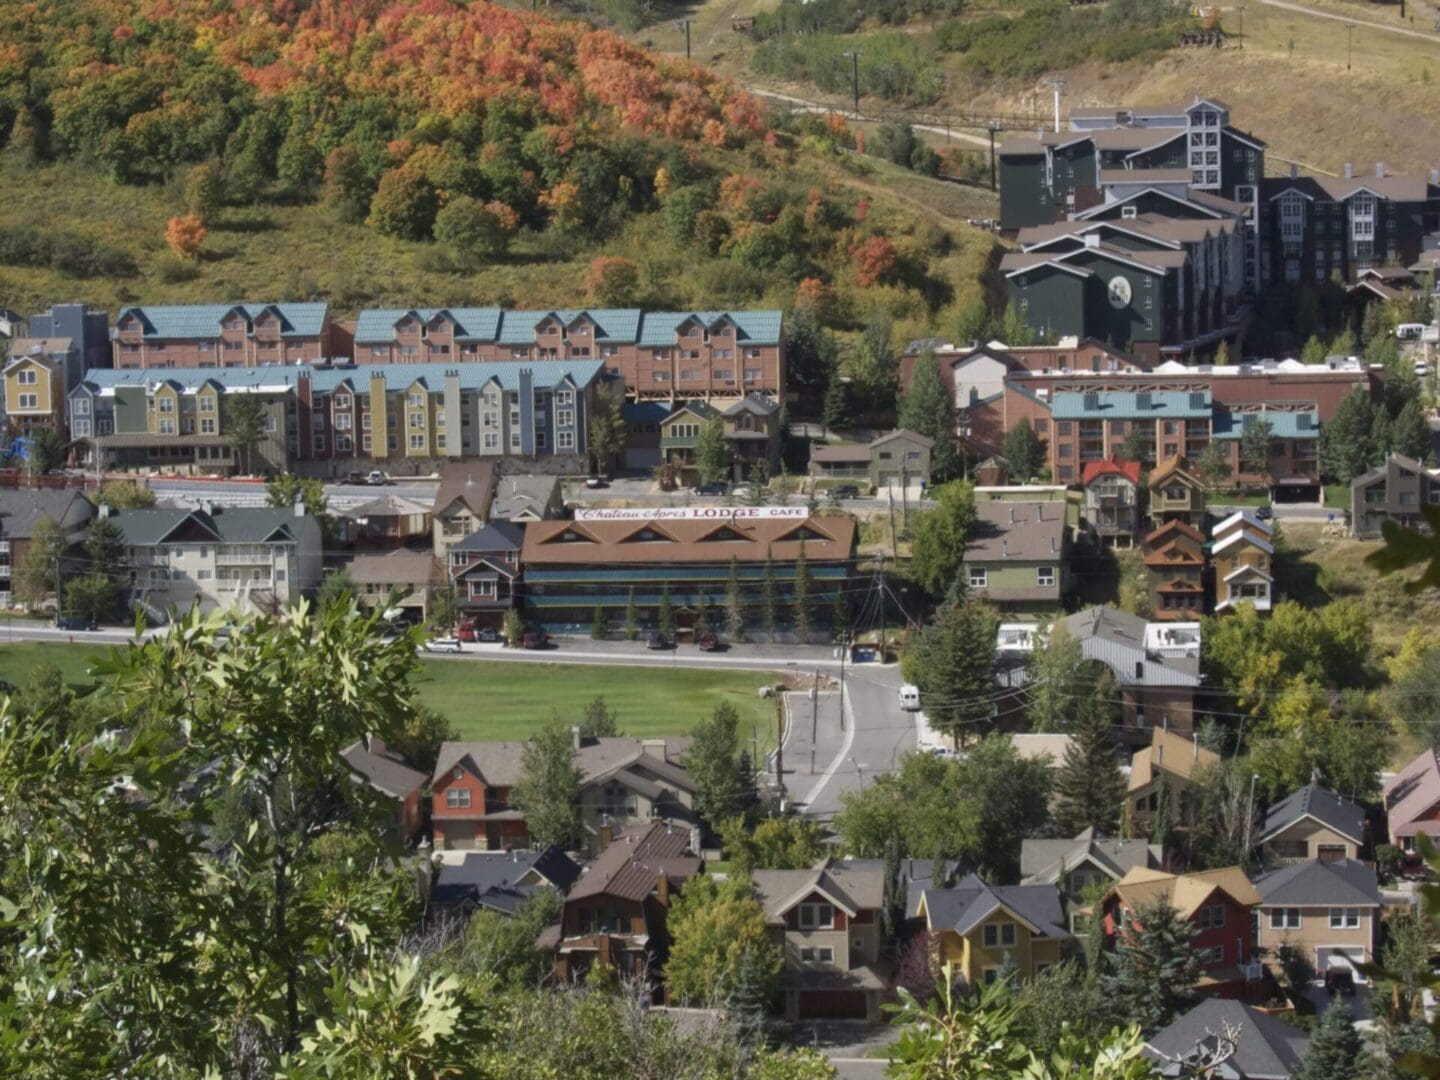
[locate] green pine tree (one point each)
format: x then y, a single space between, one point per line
734 609
767 598
927 408
1161 824
632 617
666 617
1089 787
1155 966
1335 1048
800 607
955 665
597 623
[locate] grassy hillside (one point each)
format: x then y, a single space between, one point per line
443 152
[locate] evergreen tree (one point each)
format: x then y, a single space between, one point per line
1346 449
1089 787
1410 434
955 665
1023 451
767 598
597 623
1155 967
1314 351
734 610
927 408
1161 824
800 608
1213 464
666 616
839 614
714 762
1381 434
1255 447
243 417
1335 1048
835 407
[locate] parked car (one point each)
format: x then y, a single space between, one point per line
534 639
656 640
1340 981
593 482
487 634
375 478
714 487
743 491
708 641
1422 368
1264 513
1412 867
845 491
354 476
76 622
443 644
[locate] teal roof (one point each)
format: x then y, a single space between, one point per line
377 326
473 375
203 320
624 325
1283 425
1132 405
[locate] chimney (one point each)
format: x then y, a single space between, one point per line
1435 176
1294 171
1004 549
1195 738
102 511
1349 171
1092 240
607 834
575 736
662 889
1052 546
1012 515
653 748
1379 170
299 507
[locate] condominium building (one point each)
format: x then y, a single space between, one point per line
222 335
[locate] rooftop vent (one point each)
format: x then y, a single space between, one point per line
1142 400
1092 401
1349 171
1380 170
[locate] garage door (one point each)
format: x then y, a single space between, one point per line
642 460
832 1005
458 835
1328 957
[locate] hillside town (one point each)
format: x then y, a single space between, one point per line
807 687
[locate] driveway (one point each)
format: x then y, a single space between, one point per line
846 1044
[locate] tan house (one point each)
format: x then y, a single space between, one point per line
398 579
752 431
1330 909
1243 556
1175 571
1168 763
462 503
1312 823
1077 865
977 927
900 457
624 782
827 921
1412 801
1176 492
35 386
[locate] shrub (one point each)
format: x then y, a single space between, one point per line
184 235
612 281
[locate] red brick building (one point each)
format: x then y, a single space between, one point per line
222 335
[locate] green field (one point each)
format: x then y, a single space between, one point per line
492 700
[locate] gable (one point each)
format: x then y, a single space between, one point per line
190 530
724 533
570 535
804 532
648 533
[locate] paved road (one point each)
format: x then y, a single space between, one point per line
806 105
248 493
1301 9
1307 512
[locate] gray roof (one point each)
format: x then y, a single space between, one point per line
852 889
499 764
383 771
386 506
473 482
970 902
1268 1049
522 493
489 879
203 320
1019 531
1041 860
399 567
755 403
1322 804
493 536
1116 639
916 875
227 525
1342 883
21 509
472 375
1131 404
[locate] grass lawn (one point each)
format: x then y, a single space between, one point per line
509 701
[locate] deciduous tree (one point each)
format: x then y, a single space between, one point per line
184 235
940 536
244 420
714 762
1023 451
713 927
612 281
712 453
606 430
548 793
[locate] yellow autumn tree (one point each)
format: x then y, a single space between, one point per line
185 234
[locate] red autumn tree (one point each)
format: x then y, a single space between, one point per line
185 234
876 261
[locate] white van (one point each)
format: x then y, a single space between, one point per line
910 698
1409 331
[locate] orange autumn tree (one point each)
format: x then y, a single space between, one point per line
876 261
185 234
612 281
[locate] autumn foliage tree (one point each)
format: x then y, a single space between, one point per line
876 262
471 230
612 281
185 234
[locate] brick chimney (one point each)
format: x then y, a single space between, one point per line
607 835
653 748
662 889
575 739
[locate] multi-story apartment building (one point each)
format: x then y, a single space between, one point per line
222 335
1057 174
247 558
1316 227
659 355
325 420
88 328
1394 490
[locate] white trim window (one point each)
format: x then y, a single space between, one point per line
1045 576
998 935
1285 918
1210 917
1347 918
978 577
457 798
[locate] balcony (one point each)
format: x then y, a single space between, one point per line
261 559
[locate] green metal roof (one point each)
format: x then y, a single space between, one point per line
1132 405
473 375
1283 425
203 320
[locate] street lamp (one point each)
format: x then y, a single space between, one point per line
855 55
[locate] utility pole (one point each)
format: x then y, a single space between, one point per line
992 156
904 503
1056 83
1349 45
685 24
780 749
854 55
1241 9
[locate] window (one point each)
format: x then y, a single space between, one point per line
978 576
29 401
564 397
1000 935
344 444
1211 916
989 975
539 440
1345 918
28 377
167 427
1045 576
1212 956
319 444
492 441
342 422
319 422
207 425
565 417
458 798
565 440
417 442
365 443
166 404
816 915
1285 918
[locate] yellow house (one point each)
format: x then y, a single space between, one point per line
1243 554
976 927
34 392
419 422
1167 763
1176 493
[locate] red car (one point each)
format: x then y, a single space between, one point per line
534 639
707 641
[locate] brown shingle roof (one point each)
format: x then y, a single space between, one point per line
1022 531
471 481
399 567
1168 753
1184 892
1173 529
499 764
632 864
382 771
604 543
842 454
